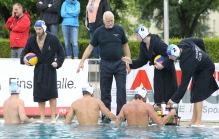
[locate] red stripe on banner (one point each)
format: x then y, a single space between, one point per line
34 111
141 78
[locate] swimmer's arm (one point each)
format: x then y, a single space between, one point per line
70 115
106 111
157 119
22 113
120 118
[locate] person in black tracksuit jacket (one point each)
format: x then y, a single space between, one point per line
165 82
196 64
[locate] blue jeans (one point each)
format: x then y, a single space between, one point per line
70 33
53 28
96 49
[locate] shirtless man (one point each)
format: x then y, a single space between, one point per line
13 107
87 108
138 111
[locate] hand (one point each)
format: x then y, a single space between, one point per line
40 2
173 111
127 60
26 61
81 65
11 26
128 68
54 64
158 66
114 117
13 13
170 102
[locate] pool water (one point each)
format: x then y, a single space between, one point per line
109 131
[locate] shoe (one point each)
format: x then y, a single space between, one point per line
105 120
53 122
197 125
39 121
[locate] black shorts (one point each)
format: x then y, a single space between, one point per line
37 99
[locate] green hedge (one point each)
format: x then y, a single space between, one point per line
212 47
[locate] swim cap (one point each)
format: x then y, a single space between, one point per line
142 31
88 88
173 50
40 23
141 91
14 88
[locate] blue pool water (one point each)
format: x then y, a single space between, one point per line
60 130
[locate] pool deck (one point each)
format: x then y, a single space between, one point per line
181 123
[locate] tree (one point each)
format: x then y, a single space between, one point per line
184 15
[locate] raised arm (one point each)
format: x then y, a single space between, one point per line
70 115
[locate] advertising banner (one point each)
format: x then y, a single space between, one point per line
69 84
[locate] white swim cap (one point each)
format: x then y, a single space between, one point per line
14 88
88 88
40 23
142 31
141 91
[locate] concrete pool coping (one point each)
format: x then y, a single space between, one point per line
207 123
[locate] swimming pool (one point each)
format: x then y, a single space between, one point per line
60 130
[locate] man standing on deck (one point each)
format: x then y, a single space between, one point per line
49 51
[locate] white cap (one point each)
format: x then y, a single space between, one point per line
142 31
141 91
14 88
88 88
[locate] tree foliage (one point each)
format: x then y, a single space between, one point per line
184 15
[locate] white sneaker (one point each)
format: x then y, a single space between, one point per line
39 121
53 122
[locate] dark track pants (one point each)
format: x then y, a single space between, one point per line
108 69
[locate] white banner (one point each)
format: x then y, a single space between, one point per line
69 87
69 83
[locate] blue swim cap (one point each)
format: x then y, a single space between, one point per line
40 23
173 50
